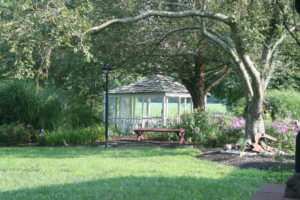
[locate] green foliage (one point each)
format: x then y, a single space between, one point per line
199 129
243 144
284 131
17 102
279 104
283 103
12 134
237 107
48 108
20 101
77 136
211 130
79 114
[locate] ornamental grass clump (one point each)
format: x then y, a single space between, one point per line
77 136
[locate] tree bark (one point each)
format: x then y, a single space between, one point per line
254 118
196 83
197 93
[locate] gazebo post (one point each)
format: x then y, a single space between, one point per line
133 109
122 114
163 113
148 110
167 108
192 106
184 105
178 110
142 112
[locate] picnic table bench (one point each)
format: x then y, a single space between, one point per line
179 132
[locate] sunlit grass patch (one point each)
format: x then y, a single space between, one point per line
122 173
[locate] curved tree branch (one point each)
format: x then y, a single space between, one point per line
190 13
171 3
170 33
218 80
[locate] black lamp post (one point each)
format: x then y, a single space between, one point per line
297 5
106 69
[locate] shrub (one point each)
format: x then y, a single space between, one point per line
283 104
86 135
279 104
201 127
12 134
284 131
53 102
18 102
194 123
50 108
212 130
21 101
237 108
79 114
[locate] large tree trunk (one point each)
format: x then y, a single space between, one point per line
195 84
254 112
197 92
198 98
254 119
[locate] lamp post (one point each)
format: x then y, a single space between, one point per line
106 69
297 6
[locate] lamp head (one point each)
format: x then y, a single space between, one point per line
106 68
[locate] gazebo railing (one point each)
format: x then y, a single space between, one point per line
127 124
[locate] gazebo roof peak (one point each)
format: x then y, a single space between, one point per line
151 84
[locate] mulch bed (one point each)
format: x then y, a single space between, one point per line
256 161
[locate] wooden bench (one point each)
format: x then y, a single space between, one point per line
179 132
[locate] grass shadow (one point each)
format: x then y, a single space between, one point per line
140 188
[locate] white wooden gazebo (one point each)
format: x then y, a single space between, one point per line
152 102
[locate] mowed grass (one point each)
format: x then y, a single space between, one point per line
135 173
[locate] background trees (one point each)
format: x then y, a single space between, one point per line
250 32
193 41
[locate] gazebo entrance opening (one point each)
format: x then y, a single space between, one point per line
152 102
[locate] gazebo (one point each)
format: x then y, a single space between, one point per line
152 102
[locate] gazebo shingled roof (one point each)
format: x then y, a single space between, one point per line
151 84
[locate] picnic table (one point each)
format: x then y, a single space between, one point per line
179 132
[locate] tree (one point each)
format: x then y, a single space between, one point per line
194 67
247 29
170 51
32 30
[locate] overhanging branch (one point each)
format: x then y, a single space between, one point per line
218 80
182 14
170 33
171 3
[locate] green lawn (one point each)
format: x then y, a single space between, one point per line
135 173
